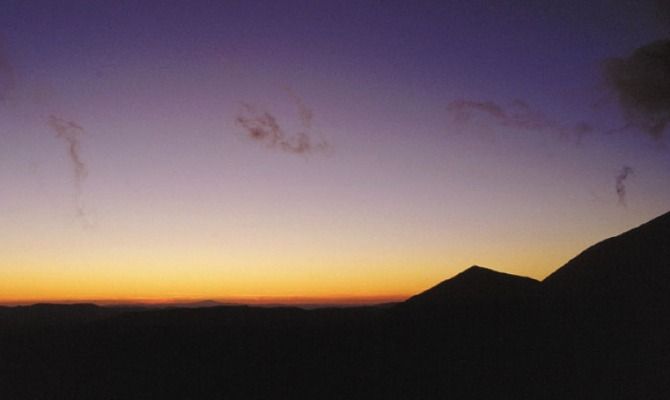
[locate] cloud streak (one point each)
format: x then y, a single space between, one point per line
520 116
7 74
625 172
263 127
304 112
517 115
70 133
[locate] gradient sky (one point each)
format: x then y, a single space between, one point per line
284 149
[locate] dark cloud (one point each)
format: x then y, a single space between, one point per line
663 12
620 183
7 74
641 83
264 128
517 115
71 132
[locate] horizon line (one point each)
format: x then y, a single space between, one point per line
223 301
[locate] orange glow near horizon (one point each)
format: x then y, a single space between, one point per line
291 155
183 289
85 269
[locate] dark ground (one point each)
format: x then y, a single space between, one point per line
598 328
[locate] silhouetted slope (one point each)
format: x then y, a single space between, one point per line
478 285
607 319
597 328
633 266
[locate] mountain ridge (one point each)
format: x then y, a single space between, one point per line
633 264
477 284
479 334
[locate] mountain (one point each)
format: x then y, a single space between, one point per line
196 304
633 266
606 317
478 285
597 328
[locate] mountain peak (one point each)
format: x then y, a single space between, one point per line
477 270
477 284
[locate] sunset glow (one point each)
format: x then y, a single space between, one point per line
255 153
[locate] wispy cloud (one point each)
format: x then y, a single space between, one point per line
7 74
520 116
70 132
517 115
263 127
304 112
625 172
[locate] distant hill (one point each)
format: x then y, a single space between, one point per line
195 304
47 314
478 285
597 328
633 266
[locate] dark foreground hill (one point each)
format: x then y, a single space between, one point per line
597 328
477 285
634 266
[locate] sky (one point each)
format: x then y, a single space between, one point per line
286 151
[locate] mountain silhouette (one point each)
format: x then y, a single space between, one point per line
477 285
597 328
633 266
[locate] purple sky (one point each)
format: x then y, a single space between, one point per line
243 149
